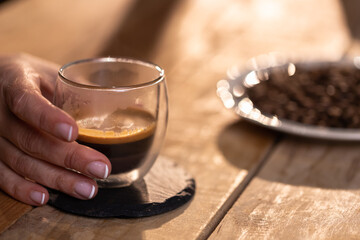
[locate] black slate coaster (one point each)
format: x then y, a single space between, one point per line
166 187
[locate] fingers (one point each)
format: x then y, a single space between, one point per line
20 165
21 189
31 107
23 97
37 139
45 147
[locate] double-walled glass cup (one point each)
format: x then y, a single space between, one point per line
121 108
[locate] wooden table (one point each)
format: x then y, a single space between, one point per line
252 183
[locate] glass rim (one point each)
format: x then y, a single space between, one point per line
151 82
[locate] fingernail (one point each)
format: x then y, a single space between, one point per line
98 169
64 130
37 197
85 189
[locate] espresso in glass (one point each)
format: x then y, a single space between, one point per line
121 108
124 136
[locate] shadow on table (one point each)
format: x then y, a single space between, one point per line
239 145
139 32
297 160
3 1
352 16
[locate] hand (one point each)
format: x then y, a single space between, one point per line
37 145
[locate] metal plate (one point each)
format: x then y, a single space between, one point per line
233 93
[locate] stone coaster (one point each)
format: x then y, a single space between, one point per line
166 187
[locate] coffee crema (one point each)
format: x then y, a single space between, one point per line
125 137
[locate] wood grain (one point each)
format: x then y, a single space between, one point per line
192 141
196 45
10 211
307 190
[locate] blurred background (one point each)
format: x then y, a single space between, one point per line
218 32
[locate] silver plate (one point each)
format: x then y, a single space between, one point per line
233 93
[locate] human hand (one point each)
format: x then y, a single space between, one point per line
37 146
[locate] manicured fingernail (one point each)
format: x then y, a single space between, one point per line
98 169
37 197
85 189
64 130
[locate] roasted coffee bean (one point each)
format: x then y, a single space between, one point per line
327 95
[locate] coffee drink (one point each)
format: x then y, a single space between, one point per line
124 136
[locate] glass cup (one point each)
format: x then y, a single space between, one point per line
121 108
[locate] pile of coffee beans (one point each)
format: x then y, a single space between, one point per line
327 95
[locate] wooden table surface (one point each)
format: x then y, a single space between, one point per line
252 183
